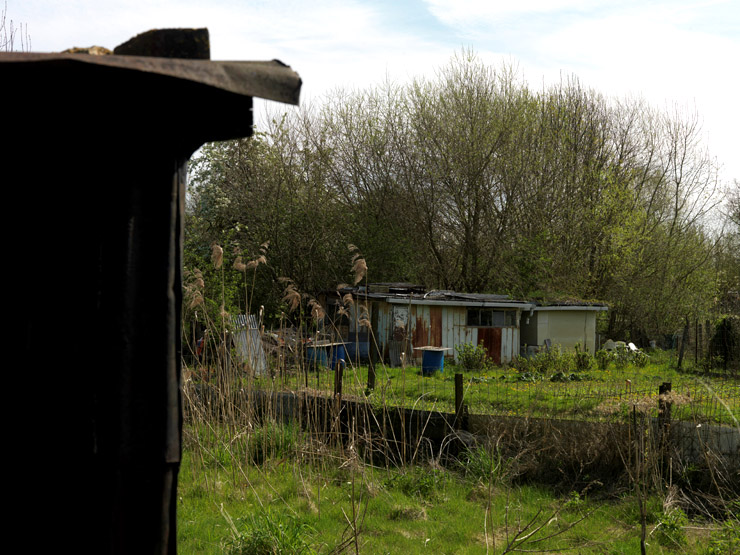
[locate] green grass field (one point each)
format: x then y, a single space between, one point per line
334 506
253 487
590 395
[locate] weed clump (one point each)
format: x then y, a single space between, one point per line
267 533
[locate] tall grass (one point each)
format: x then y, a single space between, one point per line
292 465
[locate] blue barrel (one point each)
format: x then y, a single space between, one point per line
337 354
316 356
432 361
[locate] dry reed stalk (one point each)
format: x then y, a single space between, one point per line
217 256
239 265
291 295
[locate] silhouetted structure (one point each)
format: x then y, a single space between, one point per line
93 154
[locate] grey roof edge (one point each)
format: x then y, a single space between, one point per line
524 305
592 307
271 80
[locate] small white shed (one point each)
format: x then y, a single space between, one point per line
566 325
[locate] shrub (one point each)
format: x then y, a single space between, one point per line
670 529
583 360
726 539
572 377
555 363
639 359
622 356
520 364
603 358
473 358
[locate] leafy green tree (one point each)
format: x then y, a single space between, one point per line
472 181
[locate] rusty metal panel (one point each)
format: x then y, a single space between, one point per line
420 331
490 338
385 326
435 326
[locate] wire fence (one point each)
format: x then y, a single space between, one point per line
710 345
600 396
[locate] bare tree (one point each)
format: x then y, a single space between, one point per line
10 33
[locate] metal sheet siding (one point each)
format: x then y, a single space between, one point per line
440 326
435 326
248 342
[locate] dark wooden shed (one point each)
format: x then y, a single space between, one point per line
94 152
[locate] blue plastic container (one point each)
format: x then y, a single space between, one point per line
337 354
316 356
432 361
351 350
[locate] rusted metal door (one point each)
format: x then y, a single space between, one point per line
435 326
490 338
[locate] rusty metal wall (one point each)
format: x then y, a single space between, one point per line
407 326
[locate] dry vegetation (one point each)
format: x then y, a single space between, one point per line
295 454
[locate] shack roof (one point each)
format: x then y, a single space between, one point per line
417 295
409 293
571 305
154 81
271 80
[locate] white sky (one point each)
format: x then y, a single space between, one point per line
671 52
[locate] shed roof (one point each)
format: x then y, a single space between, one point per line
271 80
416 295
572 305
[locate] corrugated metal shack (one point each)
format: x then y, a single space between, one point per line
406 316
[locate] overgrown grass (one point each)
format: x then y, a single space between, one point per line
251 484
592 395
287 506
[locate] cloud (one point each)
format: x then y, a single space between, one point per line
465 13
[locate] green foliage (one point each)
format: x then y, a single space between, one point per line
640 359
482 463
575 502
419 482
273 439
270 533
622 356
726 539
583 361
670 528
473 181
572 377
558 365
473 358
603 358
725 342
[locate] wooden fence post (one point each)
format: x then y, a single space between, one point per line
684 339
338 374
459 405
664 405
697 339
372 347
664 421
